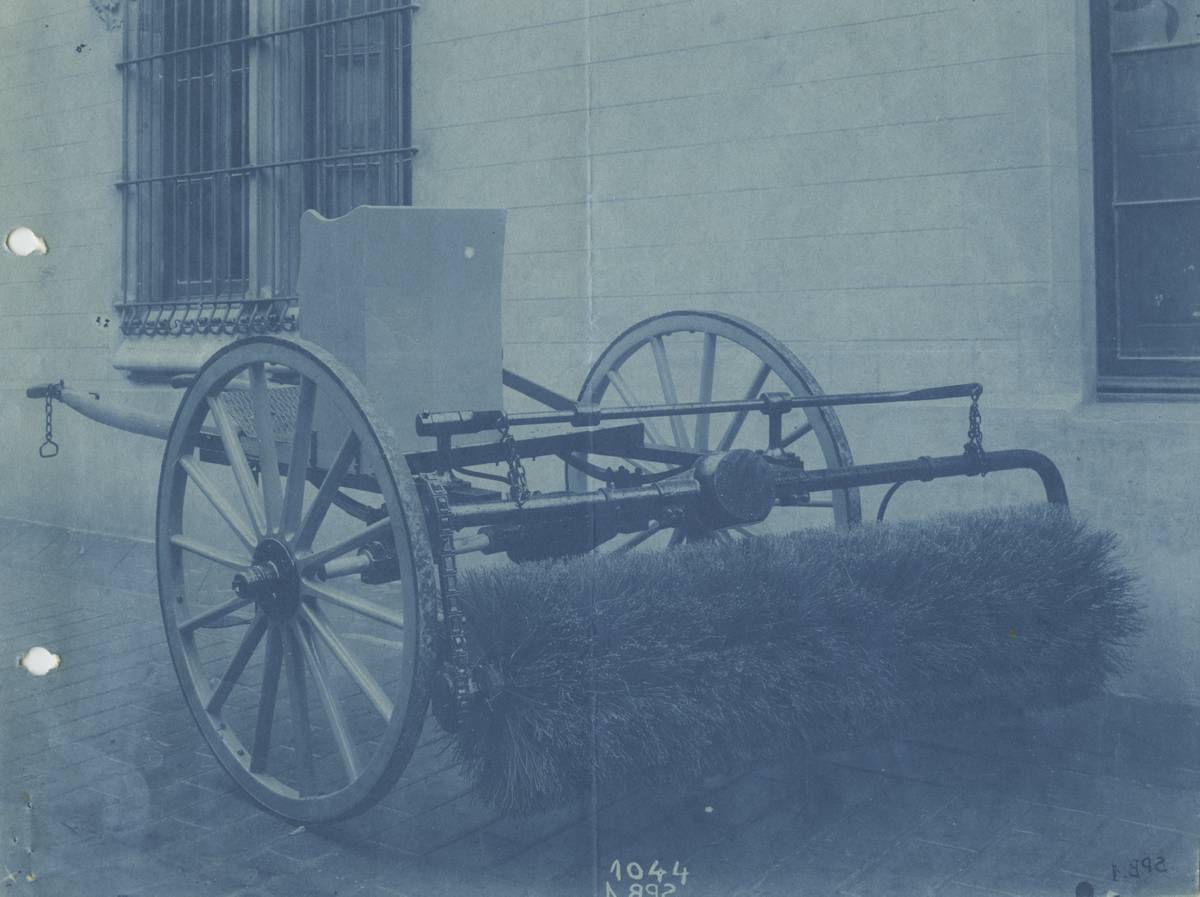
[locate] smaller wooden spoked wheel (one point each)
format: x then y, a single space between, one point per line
278 489
699 356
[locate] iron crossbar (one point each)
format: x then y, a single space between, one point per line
435 423
183 177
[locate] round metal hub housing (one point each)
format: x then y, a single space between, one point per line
273 582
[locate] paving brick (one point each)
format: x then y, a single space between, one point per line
428 793
911 867
440 826
420 881
810 870
20 551
429 759
478 850
748 798
640 808
302 845
115 766
563 861
681 836
958 889
1058 822
1118 842
871 828
218 810
369 862
214 780
528 830
1015 862
364 827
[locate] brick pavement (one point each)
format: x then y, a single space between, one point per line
108 789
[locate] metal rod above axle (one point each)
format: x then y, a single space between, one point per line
435 423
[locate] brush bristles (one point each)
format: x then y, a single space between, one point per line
703 659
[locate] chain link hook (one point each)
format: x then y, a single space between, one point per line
518 487
49 448
974 445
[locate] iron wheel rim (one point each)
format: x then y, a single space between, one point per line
297 641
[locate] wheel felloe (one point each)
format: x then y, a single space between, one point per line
310 689
688 356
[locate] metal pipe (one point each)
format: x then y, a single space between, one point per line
685 493
602 502
925 469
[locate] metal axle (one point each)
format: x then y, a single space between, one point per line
688 495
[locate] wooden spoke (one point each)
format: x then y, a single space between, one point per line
351 666
801 431
232 518
630 398
212 615
742 531
216 555
358 540
324 497
319 624
637 539
677 538
268 453
238 463
266 701
668 389
293 499
333 711
298 699
353 602
236 666
708 366
739 418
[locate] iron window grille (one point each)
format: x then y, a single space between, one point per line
238 116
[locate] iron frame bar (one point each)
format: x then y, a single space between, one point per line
440 423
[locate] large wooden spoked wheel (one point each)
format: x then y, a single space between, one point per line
310 686
698 356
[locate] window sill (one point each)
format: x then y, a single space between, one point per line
1148 410
1148 389
162 355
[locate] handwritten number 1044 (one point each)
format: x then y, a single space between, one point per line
643 881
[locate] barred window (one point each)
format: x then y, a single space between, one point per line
240 115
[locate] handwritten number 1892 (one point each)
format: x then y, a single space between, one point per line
1136 868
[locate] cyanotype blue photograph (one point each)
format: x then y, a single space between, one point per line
600 448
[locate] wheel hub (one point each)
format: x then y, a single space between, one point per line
273 581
